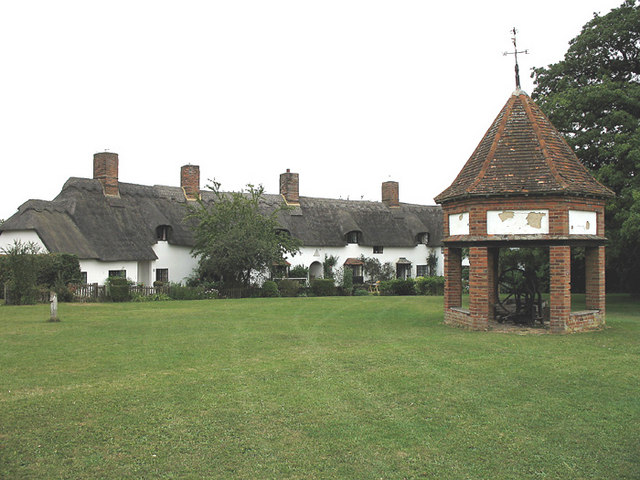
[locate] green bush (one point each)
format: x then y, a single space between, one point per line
288 288
323 287
430 285
398 286
347 281
299 271
119 289
181 292
156 297
270 289
55 269
360 292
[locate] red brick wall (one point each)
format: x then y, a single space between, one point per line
560 287
190 181
391 194
458 317
290 187
558 211
595 283
585 321
453 277
105 169
479 287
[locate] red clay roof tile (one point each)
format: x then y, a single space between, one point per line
522 153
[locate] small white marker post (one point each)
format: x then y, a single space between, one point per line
53 300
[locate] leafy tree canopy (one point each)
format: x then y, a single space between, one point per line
234 236
593 99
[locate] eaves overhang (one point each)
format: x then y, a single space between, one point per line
463 241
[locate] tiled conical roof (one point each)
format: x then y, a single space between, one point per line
522 153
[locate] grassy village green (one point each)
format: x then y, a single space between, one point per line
307 388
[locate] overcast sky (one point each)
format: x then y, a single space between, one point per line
347 93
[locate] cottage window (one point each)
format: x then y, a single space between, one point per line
117 273
354 236
422 238
162 275
357 267
403 268
163 232
84 277
283 232
378 249
422 270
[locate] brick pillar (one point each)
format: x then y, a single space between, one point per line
452 278
479 291
492 279
594 273
560 288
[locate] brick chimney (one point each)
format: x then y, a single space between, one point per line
105 169
190 181
290 187
391 194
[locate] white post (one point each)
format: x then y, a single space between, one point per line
53 299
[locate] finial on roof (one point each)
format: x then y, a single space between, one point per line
515 54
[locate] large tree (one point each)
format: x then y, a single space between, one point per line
593 99
237 234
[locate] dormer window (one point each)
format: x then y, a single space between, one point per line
353 236
422 238
163 232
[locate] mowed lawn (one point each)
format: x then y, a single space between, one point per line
349 388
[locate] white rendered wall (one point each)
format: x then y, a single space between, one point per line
176 258
416 255
582 222
97 271
459 224
517 222
25 236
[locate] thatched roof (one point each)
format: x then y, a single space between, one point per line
83 221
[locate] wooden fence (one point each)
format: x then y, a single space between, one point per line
91 292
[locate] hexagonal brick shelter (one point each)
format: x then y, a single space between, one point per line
523 186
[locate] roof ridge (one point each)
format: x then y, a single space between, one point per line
494 145
543 143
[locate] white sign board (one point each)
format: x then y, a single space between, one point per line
459 224
582 223
517 222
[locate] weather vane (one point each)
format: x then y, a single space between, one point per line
515 54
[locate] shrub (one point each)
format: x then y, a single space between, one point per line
430 285
398 286
270 289
323 287
119 289
63 291
181 292
347 281
360 292
288 288
156 297
299 271
330 261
